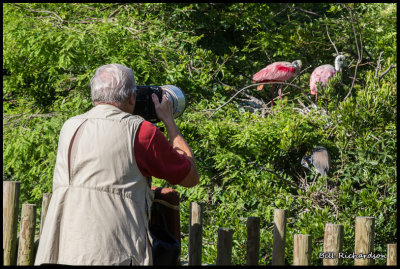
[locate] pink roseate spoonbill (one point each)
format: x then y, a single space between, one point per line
323 73
277 72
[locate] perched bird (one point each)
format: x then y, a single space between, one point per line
319 158
323 73
277 72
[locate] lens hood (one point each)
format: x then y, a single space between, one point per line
177 99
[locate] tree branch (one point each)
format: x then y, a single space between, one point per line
275 173
115 12
358 52
256 84
40 11
307 11
378 65
327 32
387 70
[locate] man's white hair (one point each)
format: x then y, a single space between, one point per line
112 83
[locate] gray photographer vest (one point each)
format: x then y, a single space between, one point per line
99 210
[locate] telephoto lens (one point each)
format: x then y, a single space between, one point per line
144 104
177 99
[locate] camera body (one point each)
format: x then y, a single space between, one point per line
144 103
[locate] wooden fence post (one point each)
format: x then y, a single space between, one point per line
333 243
45 206
10 221
26 247
391 254
302 249
195 233
364 239
253 240
279 237
224 247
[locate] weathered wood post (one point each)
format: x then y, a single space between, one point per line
224 246
253 240
26 247
10 221
333 243
195 233
364 239
391 254
302 249
279 237
45 206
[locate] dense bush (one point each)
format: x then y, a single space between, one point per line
248 155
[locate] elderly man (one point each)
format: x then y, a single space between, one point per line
99 210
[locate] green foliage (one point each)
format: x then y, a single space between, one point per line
248 158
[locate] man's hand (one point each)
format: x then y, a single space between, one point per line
163 109
164 113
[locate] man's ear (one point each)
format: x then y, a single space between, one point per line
132 99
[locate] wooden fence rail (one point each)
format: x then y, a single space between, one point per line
23 252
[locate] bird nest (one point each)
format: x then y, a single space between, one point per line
323 198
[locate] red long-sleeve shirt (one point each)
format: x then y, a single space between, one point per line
156 157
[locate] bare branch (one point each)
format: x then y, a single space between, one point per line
107 7
361 39
355 35
256 84
115 12
253 99
47 115
40 11
327 32
298 76
387 70
358 52
307 11
283 10
378 65
275 173
221 65
368 54
24 118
